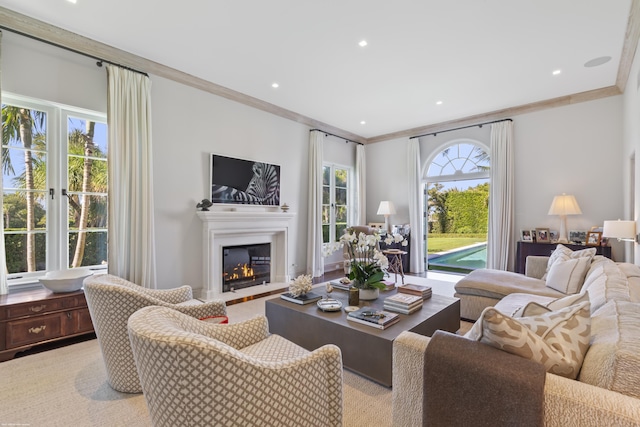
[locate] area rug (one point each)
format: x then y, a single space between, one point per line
67 387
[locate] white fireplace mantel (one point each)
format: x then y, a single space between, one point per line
232 227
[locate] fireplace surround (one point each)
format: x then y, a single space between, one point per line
223 228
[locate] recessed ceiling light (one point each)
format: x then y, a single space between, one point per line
363 43
438 102
72 1
556 72
275 85
363 122
597 61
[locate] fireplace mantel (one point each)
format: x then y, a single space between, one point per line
231 227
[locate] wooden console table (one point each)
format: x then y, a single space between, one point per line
39 316
525 249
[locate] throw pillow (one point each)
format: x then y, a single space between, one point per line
558 339
563 250
537 309
567 274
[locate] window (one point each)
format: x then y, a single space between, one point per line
335 207
54 163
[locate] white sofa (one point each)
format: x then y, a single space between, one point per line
607 389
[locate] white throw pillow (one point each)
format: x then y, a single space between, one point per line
558 340
567 274
536 309
562 252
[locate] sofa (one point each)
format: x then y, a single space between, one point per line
604 387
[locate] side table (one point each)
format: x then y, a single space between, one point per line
395 262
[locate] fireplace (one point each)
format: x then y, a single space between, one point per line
238 227
244 266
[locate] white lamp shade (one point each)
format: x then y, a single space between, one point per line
619 229
565 204
386 208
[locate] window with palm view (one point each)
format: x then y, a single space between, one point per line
54 163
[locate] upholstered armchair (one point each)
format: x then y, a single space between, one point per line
202 374
112 300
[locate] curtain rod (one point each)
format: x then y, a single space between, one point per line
337 136
99 60
462 127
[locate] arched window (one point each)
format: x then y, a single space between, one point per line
456 189
462 160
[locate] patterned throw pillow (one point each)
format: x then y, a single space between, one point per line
561 250
558 340
567 274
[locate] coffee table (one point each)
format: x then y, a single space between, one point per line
365 349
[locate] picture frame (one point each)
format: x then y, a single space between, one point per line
542 235
593 238
526 236
577 237
554 236
241 181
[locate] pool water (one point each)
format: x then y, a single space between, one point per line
464 259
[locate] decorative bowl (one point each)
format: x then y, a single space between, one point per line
65 280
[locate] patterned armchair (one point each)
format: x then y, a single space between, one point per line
201 374
112 300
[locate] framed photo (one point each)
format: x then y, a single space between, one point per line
542 235
594 238
526 236
554 236
577 237
247 182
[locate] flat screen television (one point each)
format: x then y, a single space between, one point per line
240 181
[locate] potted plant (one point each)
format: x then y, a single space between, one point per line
367 263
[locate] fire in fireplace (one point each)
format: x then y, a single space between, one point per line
245 265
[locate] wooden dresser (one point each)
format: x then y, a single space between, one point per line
34 317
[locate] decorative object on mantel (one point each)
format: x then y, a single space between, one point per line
564 205
205 204
284 207
368 263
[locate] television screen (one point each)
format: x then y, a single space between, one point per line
242 181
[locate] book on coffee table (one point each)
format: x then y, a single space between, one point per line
307 298
380 319
409 288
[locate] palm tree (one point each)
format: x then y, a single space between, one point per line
86 187
18 125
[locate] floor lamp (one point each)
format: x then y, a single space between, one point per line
564 205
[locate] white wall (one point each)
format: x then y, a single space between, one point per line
575 149
188 125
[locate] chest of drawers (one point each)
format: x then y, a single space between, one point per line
35 317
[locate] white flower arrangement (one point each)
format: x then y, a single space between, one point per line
300 285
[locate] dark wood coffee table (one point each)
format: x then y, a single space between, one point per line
365 350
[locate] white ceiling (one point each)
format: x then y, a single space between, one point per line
475 56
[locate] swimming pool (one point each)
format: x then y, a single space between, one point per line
463 259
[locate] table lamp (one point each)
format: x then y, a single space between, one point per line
621 230
564 205
386 208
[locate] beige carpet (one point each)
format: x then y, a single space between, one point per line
67 387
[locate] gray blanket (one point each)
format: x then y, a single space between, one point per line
468 383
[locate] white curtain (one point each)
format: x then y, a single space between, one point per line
315 262
131 226
416 216
361 189
500 240
4 287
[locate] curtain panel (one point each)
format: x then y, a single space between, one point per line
361 190
315 262
500 239
416 198
131 222
4 287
